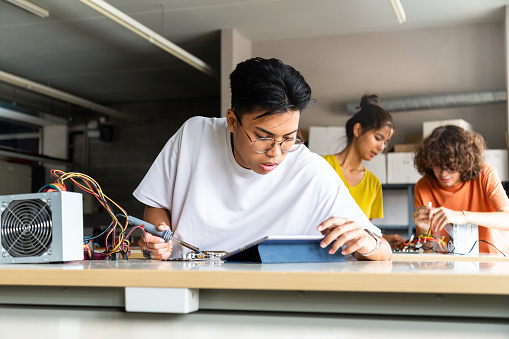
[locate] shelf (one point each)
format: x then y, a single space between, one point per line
397 186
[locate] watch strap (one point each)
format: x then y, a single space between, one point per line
378 243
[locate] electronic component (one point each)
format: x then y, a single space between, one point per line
41 227
205 255
464 239
423 243
202 256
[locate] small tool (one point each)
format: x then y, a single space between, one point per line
166 235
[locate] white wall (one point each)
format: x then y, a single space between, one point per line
420 62
234 49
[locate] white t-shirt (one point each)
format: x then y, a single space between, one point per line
215 204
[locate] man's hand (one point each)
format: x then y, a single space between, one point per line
394 240
421 218
442 216
160 250
341 231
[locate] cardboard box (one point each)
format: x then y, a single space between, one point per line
498 158
405 147
413 138
429 126
400 168
326 140
378 166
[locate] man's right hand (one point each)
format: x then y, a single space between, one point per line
160 250
422 219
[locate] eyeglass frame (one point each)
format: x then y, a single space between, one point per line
269 138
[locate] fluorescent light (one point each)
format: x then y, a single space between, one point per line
398 10
55 93
148 34
31 7
11 115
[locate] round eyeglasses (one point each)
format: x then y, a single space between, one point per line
263 145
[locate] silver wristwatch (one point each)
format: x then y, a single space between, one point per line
378 243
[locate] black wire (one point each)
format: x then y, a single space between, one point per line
124 254
130 223
475 242
484 241
97 236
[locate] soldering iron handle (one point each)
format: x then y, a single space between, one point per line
148 227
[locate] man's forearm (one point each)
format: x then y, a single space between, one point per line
155 216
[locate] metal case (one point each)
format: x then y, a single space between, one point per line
41 227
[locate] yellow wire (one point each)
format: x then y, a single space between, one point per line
104 201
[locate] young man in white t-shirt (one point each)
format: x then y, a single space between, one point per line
222 183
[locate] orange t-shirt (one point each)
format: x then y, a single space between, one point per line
484 194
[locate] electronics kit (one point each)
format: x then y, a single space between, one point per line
462 239
47 226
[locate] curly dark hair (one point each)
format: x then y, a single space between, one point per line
451 148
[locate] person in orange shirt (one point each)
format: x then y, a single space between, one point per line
461 188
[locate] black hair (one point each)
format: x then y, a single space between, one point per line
370 99
267 84
370 117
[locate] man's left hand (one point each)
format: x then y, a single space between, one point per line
341 231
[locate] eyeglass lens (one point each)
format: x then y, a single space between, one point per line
263 145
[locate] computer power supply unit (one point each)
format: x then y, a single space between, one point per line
41 227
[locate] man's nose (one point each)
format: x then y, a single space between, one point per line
275 151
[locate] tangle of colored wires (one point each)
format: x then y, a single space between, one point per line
119 243
430 243
426 243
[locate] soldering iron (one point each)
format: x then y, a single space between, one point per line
166 235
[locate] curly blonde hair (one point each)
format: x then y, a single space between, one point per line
452 148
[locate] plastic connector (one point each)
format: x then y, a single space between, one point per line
147 254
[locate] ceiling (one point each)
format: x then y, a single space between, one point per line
79 51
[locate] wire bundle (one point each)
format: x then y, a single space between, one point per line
436 245
118 244
433 244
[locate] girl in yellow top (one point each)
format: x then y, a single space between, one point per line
367 132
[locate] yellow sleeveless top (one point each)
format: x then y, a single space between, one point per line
367 194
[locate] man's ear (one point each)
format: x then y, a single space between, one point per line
231 119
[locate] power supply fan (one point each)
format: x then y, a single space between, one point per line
27 228
41 227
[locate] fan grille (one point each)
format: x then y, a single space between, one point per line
26 228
